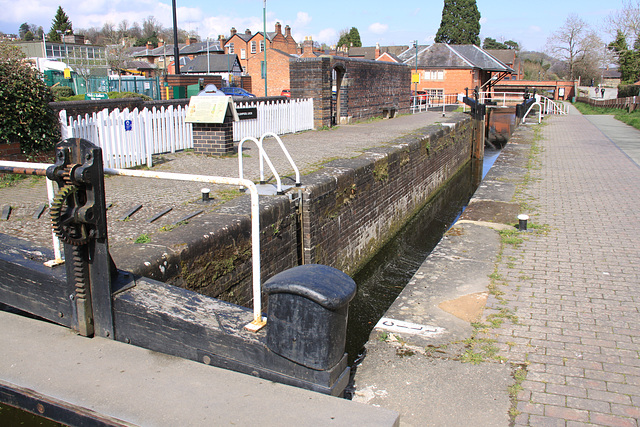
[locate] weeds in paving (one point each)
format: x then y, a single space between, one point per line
143 238
10 179
519 375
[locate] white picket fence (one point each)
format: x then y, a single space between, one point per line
130 138
275 116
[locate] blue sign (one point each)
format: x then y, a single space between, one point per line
128 125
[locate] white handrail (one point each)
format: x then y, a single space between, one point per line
258 321
262 153
286 153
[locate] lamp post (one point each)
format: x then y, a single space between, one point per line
264 27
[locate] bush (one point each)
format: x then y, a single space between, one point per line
61 92
112 95
24 104
625 91
116 95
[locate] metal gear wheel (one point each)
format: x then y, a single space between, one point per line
63 220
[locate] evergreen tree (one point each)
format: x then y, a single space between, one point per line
490 43
61 23
628 58
350 38
354 37
23 30
460 23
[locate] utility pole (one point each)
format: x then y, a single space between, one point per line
264 27
415 93
176 49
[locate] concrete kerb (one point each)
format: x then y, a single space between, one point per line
444 297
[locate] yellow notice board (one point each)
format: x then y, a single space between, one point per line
415 77
211 109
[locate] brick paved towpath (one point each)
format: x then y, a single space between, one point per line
574 283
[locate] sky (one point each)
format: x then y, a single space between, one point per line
527 22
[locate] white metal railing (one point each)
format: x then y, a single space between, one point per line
502 98
546 106
434 102
279 117
258 321
263 157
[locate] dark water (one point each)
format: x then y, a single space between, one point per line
382 279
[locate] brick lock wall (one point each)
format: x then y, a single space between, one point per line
311 78
351 208
367 87
354 206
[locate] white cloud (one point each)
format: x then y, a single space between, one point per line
378 28
483 20
328 36
302 19
535 28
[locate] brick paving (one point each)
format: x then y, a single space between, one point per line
574 287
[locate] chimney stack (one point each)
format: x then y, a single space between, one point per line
287 32
278 28
233 31
307 46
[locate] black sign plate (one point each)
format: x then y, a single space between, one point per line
247 113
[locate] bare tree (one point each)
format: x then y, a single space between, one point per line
576 44
625 20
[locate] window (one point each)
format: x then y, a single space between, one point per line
243 53
231 48
254 47
261 45
434 75
434 94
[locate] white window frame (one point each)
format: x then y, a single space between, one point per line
254 46
232 48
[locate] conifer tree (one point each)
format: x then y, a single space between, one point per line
62 23
460 23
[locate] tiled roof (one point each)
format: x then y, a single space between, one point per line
201 47
139 65
442 55
410 53
217 63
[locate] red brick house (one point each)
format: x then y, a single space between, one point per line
509 58
449 69
246 44
277 67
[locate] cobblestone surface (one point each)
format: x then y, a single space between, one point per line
573 283
308 149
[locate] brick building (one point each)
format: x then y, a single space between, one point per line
450 69
509 58
278 61
247 45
